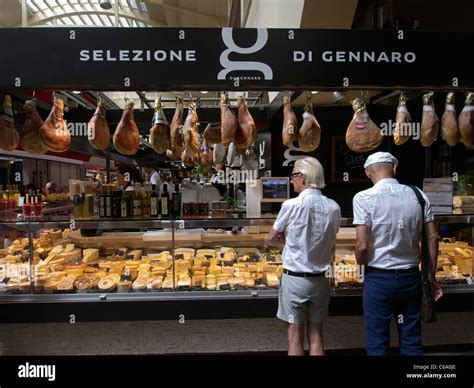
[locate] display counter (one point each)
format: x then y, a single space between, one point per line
158 269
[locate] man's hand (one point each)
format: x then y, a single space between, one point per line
435 289
275 238
281 238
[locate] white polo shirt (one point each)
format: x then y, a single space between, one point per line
393 215
310 222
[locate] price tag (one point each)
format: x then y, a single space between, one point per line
469 280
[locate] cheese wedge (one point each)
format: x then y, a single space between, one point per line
69 248
75 254
90 254
135 254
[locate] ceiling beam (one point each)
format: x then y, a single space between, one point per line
235 17
93 9
144 100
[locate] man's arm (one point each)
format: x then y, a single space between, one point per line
432 241
362 244
275 238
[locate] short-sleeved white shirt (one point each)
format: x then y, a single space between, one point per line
393 214
310 223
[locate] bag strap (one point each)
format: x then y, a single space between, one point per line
425 259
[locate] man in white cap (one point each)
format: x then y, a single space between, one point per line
388 219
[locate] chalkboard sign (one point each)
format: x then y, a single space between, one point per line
347 165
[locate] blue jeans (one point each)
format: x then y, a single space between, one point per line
387 295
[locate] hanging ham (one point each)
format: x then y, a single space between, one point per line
176 129
29 138
466 121
212 134
228 121
246 128
190 129
160 132
219 153
127 137
362 134
99 134
205 157
9 138
403 119
429 122
449 122
186 159
309 135
54 132
290 123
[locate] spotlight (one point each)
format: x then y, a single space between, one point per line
338 96
105 4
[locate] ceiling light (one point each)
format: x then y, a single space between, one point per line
314 91
204 91
338 96
105 4
76 91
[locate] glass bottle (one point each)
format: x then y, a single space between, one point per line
154 206
88 203
176 202
164 202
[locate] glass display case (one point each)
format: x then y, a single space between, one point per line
188 258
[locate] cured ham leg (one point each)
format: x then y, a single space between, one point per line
246 128
9 138
362 134
466 121
290 123
219 154
99 134
54 132
429 122
127 137
191 137
29 138
160 132
205 157
449 122
228 122
401 134
176 130
212 134
309 135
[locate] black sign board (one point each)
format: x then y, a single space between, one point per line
347 165
227 59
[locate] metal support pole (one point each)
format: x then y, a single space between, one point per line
107 170
24 14
116 23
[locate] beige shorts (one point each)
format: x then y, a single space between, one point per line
302 299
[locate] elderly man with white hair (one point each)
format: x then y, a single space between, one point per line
308 225
388 219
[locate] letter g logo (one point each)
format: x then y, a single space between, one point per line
262 37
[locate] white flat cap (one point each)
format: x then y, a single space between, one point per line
381 157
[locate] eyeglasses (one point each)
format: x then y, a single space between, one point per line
295 174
